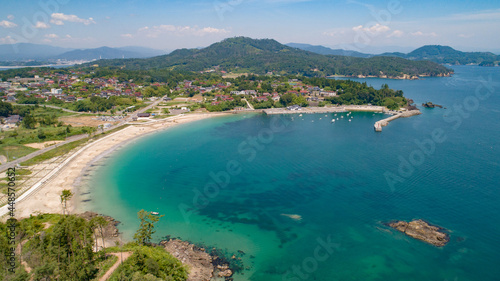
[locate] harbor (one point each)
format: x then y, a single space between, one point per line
315 110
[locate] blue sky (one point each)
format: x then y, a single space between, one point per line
366 26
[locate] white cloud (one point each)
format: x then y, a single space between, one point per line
7 24
156 31
396 33
60 18
7 40
128 35
420 33
51 36
374 29
41 25
11 17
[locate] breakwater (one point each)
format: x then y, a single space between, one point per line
384 122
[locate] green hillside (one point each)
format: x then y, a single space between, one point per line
243 54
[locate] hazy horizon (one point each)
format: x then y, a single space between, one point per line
374 27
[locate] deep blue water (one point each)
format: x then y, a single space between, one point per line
442 166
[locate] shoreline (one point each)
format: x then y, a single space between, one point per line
44 196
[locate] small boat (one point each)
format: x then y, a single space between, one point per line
155 213
300 114
337 118
333 120
350 120
342 116
335 114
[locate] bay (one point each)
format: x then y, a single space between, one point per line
306 199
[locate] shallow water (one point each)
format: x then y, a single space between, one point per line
232 182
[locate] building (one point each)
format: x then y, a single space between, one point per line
54 91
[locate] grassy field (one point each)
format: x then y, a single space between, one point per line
15 151
60 150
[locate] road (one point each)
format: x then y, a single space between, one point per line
52 106
121 258
10 164
249 105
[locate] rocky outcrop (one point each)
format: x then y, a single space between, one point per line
431 105
202 266
422 230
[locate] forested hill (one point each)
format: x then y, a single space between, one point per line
445 54
243 54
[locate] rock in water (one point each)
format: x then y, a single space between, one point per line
422 230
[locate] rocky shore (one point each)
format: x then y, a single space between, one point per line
202 265
423 231
431 105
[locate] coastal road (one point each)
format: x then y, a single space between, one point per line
51 106
11 164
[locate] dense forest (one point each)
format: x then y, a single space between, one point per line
61 247
243 54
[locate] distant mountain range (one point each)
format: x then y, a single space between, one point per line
322 50
36 52
261 56
435 53
446 54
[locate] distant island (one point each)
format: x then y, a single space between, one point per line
267 56
436 53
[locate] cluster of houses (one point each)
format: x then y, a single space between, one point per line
75 87
68 88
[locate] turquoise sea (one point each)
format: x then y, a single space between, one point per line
305 199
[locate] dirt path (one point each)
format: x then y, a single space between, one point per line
121 258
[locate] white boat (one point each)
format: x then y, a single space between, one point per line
335 114
350 120
155 213
342 116
333 120
300 114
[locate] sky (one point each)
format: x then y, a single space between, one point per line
370 26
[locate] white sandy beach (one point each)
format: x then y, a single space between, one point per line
46 199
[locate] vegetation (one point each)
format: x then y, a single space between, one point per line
146 230
448 55
66 195
262 56
150 263
60 247
58 151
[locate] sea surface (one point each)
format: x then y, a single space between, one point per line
302 198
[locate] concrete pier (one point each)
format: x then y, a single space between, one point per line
384 122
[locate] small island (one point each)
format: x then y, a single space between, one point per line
431 105
423 231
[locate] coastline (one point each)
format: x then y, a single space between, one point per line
46 197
